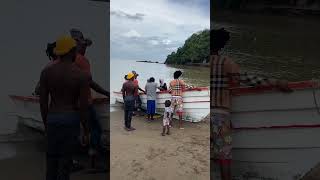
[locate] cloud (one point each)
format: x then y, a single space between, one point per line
164 25
153 42
166 41
132 34
122 14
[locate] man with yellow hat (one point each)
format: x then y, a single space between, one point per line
128 90
66 85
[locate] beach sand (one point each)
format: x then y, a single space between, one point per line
144 154
27 158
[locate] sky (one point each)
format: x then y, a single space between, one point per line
152 29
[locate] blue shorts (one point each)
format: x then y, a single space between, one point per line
151 107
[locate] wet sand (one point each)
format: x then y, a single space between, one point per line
26 159
144 154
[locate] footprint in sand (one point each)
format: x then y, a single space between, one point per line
153 153
137 168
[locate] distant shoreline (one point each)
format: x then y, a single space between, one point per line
156 62
187 64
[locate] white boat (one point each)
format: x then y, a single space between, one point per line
196 102
275 134
28 111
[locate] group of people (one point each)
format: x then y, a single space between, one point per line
130 92
66 104
225 74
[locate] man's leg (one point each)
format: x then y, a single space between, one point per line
222 143
180 120
68 142
153 108
180 112
130 113
225 170
52 154
95 136
148 109
126 118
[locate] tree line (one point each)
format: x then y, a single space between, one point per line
195 50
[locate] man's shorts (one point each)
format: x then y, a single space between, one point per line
151 107
221 132
177 104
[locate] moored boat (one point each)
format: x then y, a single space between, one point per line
196 102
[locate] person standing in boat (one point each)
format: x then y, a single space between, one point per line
151 91
128 90
224 74
84 64
163 85
136 94
67 86
176 88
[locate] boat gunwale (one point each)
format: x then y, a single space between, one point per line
35 99
300 85
167 92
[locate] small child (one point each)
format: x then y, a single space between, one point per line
167 116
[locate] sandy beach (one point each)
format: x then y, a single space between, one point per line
26 159
144 154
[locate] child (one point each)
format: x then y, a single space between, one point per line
151 91
167 116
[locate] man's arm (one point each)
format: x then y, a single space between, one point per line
254 80
44 99
123 92
141 89
186 86
96 87
37 89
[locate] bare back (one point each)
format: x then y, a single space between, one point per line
64 82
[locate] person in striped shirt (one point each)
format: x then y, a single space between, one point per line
225 74
176 88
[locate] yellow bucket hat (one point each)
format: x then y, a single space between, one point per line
63 45
130 75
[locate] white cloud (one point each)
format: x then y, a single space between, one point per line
164 24
166 41
132 34
171 49
154 42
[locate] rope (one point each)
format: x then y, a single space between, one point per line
314 88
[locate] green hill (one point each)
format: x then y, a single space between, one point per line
195 50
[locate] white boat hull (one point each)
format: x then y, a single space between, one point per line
196 103
28 111
275 134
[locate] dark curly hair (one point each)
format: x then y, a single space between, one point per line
218 38
49 51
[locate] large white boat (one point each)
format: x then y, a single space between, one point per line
196 102
28 111
275 134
